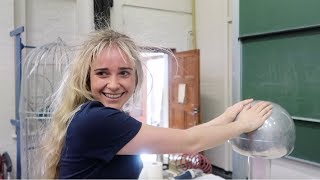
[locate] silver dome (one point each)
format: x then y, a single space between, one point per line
274 139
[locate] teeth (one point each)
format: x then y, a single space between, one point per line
113 96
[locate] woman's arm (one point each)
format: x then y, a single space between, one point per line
156 140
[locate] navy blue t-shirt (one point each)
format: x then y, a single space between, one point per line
94 136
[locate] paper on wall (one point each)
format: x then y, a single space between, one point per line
181 93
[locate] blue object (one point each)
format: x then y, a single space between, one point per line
18 70
190 174
16 122
185 175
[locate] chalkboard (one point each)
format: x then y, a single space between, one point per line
260 16
307 146
280 54
286 70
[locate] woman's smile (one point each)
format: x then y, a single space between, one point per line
113 95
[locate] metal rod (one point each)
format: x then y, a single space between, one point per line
259 168
18 62
280 32
305 119
302 160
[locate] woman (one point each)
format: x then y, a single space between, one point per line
90 135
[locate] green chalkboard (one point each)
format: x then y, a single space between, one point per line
286 70
280 54
307 144
259 16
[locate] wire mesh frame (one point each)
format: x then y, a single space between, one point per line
42 73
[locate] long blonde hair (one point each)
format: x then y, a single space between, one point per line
75 90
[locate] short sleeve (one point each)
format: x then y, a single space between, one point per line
102 131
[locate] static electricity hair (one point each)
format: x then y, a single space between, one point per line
75 90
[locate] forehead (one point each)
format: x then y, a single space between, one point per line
112 56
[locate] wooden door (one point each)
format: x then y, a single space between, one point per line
184 89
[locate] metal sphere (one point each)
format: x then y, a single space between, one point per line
274 139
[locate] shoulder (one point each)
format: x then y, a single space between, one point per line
95 114
95 110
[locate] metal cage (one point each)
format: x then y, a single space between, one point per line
42 72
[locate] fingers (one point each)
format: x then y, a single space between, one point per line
267 115
246 107
247 101
265 110
240 105
244 104
261 105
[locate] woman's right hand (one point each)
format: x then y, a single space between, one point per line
252 117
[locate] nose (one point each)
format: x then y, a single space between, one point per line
113 83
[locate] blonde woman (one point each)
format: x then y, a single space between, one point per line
90 135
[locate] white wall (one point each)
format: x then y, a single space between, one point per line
163 23
212 30
69 19
7 80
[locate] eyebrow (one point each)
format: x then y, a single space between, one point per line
106 69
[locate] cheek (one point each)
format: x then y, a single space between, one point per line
130 85
134 83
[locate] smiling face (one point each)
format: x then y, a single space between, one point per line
112 78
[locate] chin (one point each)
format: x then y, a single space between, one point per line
116 107
112 106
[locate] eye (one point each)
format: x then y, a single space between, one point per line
125 73
102 73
